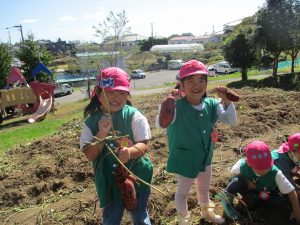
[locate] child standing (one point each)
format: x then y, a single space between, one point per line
189 139
109 111
287 159
260 180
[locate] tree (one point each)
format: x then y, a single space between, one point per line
31 53
294 45
111 31
239 50
273 24
148 43
5 64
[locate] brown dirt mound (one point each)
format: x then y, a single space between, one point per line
50 181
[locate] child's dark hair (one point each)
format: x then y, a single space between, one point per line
95 104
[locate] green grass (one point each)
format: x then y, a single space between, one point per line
28 133
283 81
219 77
18 131
252 73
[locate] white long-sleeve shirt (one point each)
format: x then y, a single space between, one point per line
227 116
283 184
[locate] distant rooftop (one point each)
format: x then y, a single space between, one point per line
132 37
126 38
177 48
181 38
64 78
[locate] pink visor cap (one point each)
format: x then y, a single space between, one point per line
192 67
258 155
113 79
293 144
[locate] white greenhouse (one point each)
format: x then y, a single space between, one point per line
195 47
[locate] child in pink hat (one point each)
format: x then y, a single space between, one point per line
190 139
287 159
259 181
110 112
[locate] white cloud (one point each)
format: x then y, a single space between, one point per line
66 18
29 21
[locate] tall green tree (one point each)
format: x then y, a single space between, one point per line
273 25
5 64
110 31
31 53
148 43
293 47
238 49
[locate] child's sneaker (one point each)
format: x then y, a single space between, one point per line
184 220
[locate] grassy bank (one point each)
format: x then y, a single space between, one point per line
236 75
18 131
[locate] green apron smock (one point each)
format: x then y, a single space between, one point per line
105 164
189 141
263 183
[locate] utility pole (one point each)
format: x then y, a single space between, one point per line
88 75
20 28
9 38
12 48
152 33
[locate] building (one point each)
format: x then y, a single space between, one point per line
189 39
76 80
129 41
194 47
126 42
205 39
181 40
59 47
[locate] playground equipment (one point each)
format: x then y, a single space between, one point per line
35 98
44 108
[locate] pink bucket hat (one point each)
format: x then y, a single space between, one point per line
192 67
113 79
258 155
293 144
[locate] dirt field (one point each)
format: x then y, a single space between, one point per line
50 181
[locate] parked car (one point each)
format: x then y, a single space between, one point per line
63 89
224 67
175 64
211 70
138 74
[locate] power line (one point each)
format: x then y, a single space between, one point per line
232 22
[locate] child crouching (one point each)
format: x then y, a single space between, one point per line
259 179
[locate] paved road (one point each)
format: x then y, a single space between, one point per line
148 85
153 80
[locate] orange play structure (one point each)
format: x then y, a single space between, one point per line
35 98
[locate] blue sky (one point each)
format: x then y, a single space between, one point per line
74 19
